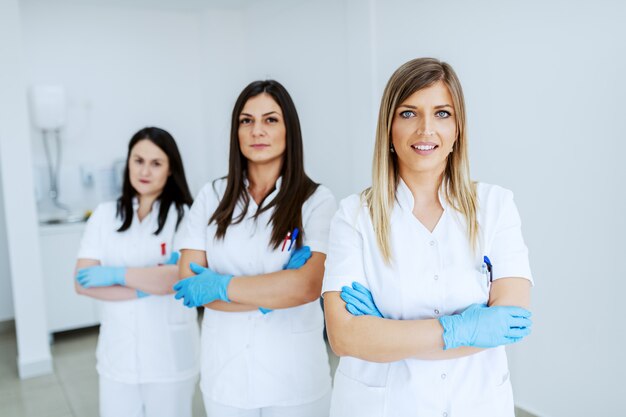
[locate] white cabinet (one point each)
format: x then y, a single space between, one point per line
65 309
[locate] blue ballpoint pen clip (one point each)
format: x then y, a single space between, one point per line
294 236
489 267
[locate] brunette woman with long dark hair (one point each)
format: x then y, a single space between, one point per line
148 349
253 249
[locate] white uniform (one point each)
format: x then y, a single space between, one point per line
152 340
251 360
432 274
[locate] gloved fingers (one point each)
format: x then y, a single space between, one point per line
349 299
518 333
353 310
303 252
516 311
180 284
362 289
519 322
173 258
196 269
265 310
179 295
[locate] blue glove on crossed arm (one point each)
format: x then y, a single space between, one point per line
203 288
485 327
101 276
359 300
296 260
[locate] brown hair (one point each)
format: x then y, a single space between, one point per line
296 186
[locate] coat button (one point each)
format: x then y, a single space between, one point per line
443 376
432 243
445 414
437 312
436 277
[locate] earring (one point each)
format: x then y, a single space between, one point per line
392 149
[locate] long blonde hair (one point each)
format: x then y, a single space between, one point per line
459 190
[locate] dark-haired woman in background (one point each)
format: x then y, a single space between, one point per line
148 349
263 353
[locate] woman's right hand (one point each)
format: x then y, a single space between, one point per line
485 327
359 301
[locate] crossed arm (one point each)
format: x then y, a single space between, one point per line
157 280
275 290
383 340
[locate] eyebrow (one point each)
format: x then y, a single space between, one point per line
441 106
264 114
135 155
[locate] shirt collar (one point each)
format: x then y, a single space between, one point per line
279 182
155 206
405 199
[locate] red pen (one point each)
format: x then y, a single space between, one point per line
288 237
163 249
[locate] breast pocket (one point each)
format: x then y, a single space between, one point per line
466 286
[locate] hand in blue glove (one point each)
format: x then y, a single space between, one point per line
203 288
359 301
485 327
296 260
173 258
101 276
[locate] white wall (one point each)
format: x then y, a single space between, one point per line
123 68
303 46
6 300
19 207
545 88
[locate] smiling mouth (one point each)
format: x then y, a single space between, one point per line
424 147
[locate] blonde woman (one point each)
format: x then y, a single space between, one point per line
427 274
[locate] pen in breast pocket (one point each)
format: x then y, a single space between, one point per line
291 237
488 268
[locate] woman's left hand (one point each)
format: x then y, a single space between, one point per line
203 288
101 276
359 301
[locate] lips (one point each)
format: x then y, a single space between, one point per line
424 148
144 181
260 146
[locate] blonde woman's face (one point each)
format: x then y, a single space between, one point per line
423 130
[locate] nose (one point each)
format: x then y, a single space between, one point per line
424 126
257 129
145 170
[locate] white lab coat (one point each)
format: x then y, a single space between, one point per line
432 274
148 340
251 360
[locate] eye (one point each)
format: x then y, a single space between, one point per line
443 114
138 161
407 114
156 163
272 120
245 121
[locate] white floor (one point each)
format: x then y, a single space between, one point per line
72 391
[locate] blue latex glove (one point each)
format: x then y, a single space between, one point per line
485 327
296 260
203 288
141 294
101 276
359 301
173 259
